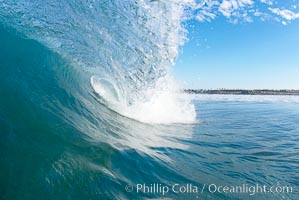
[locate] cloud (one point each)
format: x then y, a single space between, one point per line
205 16
243 11
269 2
261 15
284 13
232 7
207 11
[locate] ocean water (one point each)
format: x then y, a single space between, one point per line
88 110
236 142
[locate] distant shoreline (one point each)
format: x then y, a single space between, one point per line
243 92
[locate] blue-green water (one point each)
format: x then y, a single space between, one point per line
235 143
61 139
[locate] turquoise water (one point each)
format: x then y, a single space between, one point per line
236 142
53 146
61 134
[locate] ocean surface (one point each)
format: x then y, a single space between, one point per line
88 110
238 140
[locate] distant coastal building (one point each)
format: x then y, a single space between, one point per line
243 92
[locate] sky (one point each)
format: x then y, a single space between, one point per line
243 44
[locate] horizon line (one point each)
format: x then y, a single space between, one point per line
235 89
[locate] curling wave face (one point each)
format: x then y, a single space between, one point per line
123 49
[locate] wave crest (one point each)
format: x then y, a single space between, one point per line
129 46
